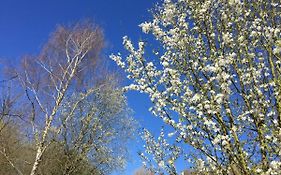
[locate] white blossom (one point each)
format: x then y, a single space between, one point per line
216 81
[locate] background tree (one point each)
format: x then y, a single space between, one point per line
47 79
216 81
16 152
71 107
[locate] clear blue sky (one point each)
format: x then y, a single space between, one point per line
26 24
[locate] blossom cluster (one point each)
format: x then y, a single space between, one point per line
164 154
216 80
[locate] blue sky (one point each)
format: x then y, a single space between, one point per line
26 25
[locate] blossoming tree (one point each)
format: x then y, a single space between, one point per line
216 81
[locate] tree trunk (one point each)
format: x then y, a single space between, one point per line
37 160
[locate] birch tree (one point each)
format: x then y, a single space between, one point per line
59 72
214 77
64 86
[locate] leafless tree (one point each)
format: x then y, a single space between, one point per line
14 154
48 78
64 112
74 101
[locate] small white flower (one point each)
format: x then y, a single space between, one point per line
165 63
146 27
